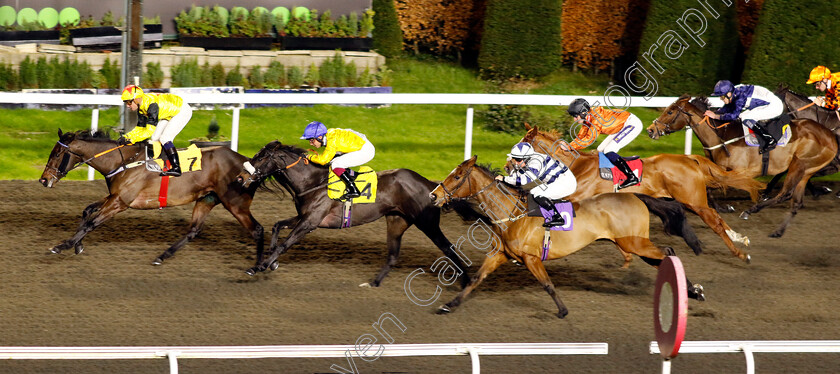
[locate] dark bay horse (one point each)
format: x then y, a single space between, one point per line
138 188
621 218
811 148
683 178
402 198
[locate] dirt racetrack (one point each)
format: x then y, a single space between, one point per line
111 295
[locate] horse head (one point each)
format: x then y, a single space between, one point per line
456 185
274 157
674 118
546 142
63 158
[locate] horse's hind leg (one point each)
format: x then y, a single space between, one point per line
240 207
719 226
94 215
693 290
490 264
536 267
429 224
727 208
199 213
396 227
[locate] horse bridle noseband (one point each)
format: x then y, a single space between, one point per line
65 159
448 194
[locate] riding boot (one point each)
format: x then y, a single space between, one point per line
351 192
632 179
174 163
767 141
556 219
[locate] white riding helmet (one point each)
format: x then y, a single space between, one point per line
521 150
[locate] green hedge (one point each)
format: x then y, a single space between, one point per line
792 37
521 38
387 36
698 68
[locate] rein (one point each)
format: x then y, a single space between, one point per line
60 173
449 197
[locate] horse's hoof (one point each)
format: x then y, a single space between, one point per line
744 216
251 272
444 309
274 265
157 261
365 285
562 314
747 259
54 251
80 248
776 234
698 290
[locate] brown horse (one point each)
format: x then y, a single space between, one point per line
811 148
621 218
137 188
683 178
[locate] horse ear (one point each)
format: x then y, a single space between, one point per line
527 126
59 132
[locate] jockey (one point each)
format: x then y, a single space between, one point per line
555 180
160 117
826 82
750 103
621 125
344 149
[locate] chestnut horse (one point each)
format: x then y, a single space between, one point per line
402 198
137 188
683 178
811 148
621 218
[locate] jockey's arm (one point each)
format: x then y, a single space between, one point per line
323 158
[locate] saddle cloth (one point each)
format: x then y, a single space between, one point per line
190 159
779 128
366 181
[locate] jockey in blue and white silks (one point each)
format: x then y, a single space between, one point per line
751 104
554 179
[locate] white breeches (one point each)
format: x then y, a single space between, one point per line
166 130
563 186
769 111
355 158
614 142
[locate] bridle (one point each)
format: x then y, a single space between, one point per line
257 175
61 171
682 110
448 194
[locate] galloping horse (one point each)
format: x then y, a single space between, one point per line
137 188
810 149
621 218
683 178
402 199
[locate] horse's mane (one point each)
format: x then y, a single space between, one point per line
701 102
89 135
489 168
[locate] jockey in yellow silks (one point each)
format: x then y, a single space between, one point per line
160 117
620 126
343 149
826 82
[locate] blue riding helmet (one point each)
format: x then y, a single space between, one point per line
314 129
723 87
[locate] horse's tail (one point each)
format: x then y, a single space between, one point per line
672 214
718 177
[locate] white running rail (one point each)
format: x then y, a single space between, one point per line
173 353
748 347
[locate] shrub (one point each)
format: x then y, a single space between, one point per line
217 75
45 73
313 75
275 75
255 78
111 73
28 74
201 22
514 45
697 69
234 77
792 38
154 75
8 78
295 77
186 73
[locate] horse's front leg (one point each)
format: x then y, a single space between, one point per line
94 215
286 223
490 264
304 226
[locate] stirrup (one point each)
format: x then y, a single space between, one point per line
553 223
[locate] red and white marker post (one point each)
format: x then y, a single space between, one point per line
670 309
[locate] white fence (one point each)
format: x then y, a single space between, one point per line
239 99
300 351
748 347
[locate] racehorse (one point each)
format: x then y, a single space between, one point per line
811 148
801 107
402 199
621 218
137 188
683 178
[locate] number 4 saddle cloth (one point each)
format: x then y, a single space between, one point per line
366 182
